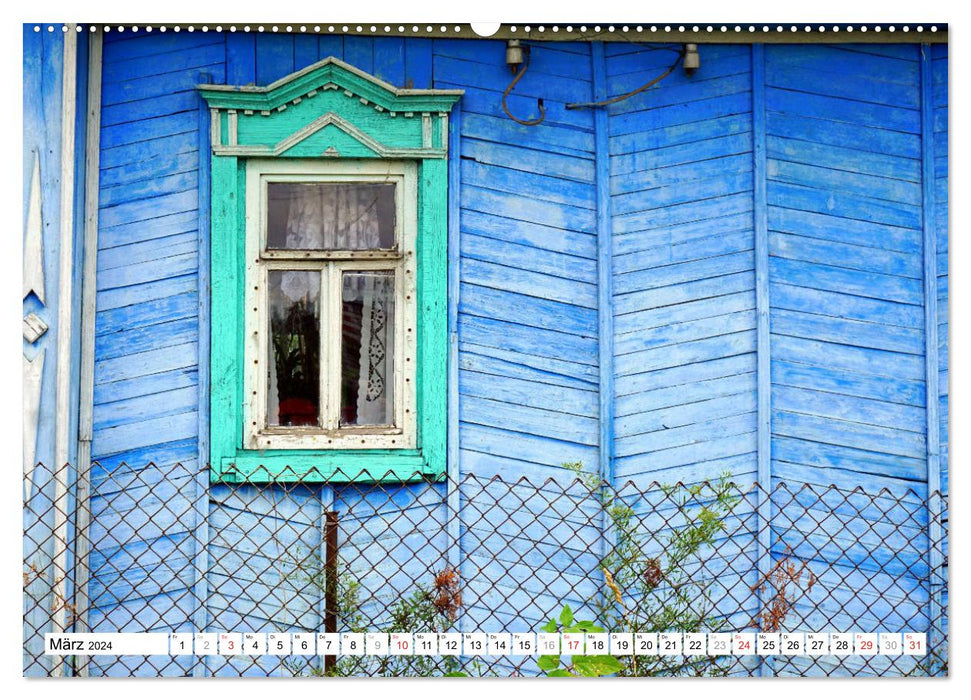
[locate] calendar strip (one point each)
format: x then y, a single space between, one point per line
488 644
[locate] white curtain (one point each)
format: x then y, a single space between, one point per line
375 388
345 217
333 217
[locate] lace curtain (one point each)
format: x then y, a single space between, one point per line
346 217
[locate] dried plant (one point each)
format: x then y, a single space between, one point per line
448 593
785 581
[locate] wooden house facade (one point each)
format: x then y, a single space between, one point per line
741 270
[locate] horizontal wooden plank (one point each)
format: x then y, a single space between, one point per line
570 402
526 310
853 409
146 337
831 431
662 339
843 305
686 353
866 259
687 413
145 363
722 184
580 244
826 78
526 419
518 338
854 333
846 358
582 373
680 115
703 148
682 233
714 208
541 261
691 435
843 465
686 383
798 143
542 187
639 322
116 440
519 207
842 110
873 186
905 290
910 392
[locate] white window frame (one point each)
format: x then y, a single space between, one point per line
403 260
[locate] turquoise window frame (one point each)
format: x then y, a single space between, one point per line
335 111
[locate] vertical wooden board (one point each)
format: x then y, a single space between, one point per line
359 52
330 45
389 60
43 70
305 50
241 58
274 57
418 63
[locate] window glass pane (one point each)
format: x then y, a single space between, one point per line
367 348
330 216
293 388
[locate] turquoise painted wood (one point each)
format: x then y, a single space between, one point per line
843 376
329 109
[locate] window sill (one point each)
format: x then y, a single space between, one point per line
337 466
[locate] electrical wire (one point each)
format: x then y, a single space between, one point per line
539 101
642 88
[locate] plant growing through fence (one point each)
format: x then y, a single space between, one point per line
778 588
651 579
579 665
427 608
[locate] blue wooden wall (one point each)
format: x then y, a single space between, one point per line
683 265
146 330
842 224
939 216
43 73
53 59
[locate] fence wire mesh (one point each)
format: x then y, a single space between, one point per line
159 549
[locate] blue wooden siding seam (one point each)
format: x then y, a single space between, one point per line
86 121
763 357
605 291
931 359
201 505
454 557
605 314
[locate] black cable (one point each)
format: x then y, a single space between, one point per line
642 88
539 101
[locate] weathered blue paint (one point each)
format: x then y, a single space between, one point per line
605 314
200 620
684 285
43 68
931 359
453 470
760 235
940 102
763 357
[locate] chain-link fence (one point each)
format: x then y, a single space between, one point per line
161 550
